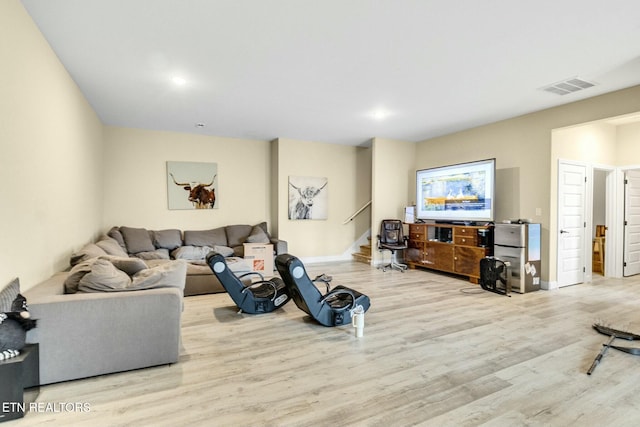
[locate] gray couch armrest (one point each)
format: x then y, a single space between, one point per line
87 334
279 246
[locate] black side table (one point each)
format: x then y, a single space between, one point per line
20 382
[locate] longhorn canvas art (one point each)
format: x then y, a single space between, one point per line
192 185
308 198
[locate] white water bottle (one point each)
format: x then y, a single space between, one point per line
357 320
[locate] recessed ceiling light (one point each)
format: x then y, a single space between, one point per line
180 81
200 125
380 114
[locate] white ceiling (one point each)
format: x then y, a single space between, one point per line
318 70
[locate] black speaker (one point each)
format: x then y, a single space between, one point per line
485 237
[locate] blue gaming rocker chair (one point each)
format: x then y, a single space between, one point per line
331 309
263 296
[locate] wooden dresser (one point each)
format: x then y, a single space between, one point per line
452 248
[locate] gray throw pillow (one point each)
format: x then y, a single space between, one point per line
191 253
210 238
111 246
90 250
225 251
167 239
137 240
77 272
8 294
129 265
104 276
258 235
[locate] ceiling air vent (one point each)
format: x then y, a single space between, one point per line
568 86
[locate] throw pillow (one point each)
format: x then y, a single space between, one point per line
191 253
77 272
14 324
225 251
111 246
129 265
104 276
137 240
167 239
88 251
258 235
8 294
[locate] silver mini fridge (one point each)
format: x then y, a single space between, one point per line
519 244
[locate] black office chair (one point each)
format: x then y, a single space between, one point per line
263 296
392 238
334 308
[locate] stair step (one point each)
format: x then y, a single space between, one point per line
365 249
360 257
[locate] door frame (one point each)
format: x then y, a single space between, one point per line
614 247
611 214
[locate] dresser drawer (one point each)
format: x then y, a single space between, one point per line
471 240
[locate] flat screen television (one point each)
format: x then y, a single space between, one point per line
457 193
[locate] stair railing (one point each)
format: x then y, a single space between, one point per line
351 218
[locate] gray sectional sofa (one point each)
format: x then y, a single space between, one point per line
158 246
93 333
119 306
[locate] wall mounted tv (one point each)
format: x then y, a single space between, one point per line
457 193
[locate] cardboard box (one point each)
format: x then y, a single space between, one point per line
260 257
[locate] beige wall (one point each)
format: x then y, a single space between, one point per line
51 155
349 188
522 148
592 143
628 153
394 183
135 192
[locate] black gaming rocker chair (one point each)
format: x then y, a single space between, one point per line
263 296
331 309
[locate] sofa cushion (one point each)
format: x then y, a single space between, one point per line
8 294
167 239
137 240
258 235
104 276
211 238
197 253
237 234
115 234
88 251
157 254
111 246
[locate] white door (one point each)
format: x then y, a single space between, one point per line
571 223
631 223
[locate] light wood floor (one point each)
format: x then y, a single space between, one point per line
437 351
